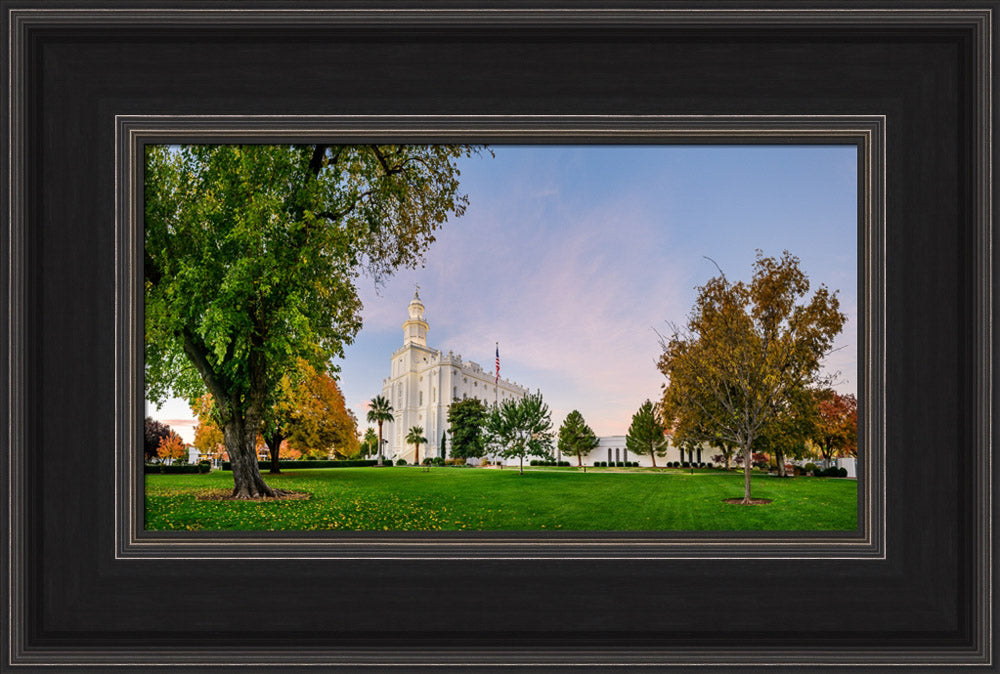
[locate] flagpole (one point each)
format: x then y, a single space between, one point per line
496 389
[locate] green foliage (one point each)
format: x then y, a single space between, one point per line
519 428
252 253
466 419
793 423
645 434
369 443
576 438
415 437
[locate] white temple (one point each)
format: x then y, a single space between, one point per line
424 381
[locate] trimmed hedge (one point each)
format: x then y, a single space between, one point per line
176 470
832 471
290 464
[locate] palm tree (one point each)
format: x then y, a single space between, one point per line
415 436
379 411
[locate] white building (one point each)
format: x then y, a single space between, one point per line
424 381
612 449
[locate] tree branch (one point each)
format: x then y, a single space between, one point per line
197 354
316 162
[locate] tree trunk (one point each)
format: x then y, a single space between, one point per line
747 458
780 458
416 454
579 460
520 460
274 449
652 455
241 443
380 443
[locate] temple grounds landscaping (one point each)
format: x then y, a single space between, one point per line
442 498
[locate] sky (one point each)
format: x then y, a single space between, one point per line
574 258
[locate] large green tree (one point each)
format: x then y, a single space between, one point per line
251 257
466 419
646 433
520 427
576 438
746 348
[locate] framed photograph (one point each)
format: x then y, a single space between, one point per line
118 118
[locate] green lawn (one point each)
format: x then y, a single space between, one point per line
409 498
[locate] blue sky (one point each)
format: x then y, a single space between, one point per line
572 257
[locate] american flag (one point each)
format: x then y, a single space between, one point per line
497 380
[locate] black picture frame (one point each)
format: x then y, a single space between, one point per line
85 77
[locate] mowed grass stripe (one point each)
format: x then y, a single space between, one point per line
414 499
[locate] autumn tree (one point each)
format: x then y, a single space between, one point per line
646 433
466 419
153 432
171 447
836 429
318 422
207 434
415 437
520 427
576 438
379 411
251 257
746 347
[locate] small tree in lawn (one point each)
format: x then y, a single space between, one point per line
576 438
154 432
519 428
646 433
369 443
379 411
171 447
415 437
466 419
746 348
443 453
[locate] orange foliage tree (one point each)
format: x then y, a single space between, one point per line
171 447
837 427
318 421
207 434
